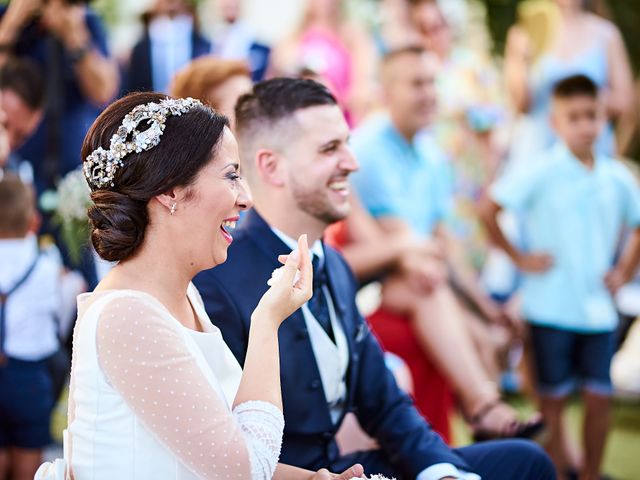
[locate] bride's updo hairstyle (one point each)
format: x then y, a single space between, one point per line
118 215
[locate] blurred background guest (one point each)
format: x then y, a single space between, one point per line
21 109
235 39
30 299
554 40
469 111
215 81
395 27
67 39
170 40
404 183
339 51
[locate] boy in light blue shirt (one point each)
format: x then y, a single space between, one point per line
575 206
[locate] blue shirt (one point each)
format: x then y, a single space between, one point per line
576 215
78 113
407 180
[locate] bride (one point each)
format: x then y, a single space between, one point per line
155 392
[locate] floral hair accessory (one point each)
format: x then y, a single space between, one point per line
101 165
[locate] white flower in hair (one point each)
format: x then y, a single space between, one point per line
101 165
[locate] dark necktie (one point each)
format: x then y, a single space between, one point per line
318 305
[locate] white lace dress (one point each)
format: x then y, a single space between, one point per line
150 399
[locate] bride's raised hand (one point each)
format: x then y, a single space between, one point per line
288 293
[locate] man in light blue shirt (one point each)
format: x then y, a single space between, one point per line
575 205
395 169
405 183
405 180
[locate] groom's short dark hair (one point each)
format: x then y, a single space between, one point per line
278 98
264 116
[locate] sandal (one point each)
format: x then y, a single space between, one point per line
572 474
529 429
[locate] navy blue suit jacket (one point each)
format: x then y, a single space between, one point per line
232 290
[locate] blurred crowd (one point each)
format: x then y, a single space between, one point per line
436 120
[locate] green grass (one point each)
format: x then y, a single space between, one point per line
622 457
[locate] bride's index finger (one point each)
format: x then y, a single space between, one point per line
304 265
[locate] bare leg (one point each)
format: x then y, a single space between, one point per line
491 342
441 331
596 428
4 464
552 411
24 463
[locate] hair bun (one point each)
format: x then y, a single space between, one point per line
118 223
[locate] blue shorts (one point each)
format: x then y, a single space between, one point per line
566 360
26 402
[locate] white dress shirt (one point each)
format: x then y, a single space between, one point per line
171 48
332 358
333 367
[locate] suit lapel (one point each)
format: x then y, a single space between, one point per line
260 233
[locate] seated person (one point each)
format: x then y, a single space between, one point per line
293 142
403 184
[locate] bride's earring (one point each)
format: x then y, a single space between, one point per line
173 209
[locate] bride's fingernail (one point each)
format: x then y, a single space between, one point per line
294 255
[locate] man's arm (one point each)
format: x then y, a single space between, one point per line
17 14
385 412
97 74
371 250
388 415
464 276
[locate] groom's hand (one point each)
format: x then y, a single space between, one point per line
354 472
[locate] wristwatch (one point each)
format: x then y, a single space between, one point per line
77 54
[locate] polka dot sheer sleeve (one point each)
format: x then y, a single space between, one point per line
145 358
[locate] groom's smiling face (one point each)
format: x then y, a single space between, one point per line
319 162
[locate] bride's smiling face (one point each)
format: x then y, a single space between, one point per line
215 201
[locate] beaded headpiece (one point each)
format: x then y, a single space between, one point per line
101 165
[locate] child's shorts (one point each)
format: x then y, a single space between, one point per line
26 401
565 360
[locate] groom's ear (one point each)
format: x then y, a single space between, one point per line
269 167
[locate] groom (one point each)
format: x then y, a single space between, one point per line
293 143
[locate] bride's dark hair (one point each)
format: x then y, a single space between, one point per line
118 216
